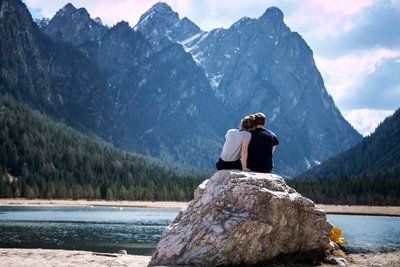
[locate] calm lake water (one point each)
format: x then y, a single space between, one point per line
137 230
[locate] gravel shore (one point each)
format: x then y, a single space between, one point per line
330 209
71 258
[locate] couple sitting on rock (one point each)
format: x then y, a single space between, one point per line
249 148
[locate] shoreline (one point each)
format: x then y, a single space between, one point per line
361 210
329 209
48 257
84 202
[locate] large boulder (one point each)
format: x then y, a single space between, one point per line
243 218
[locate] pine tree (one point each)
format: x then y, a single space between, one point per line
29 192
110 194
51 160
17 193
50 190
8 192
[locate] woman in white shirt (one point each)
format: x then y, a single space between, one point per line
234 152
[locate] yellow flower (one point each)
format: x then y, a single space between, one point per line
336 236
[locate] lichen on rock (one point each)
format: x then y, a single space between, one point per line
243 218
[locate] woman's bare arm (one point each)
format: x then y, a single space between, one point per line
245 147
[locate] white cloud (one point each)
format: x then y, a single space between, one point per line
321 20
342 76
366 120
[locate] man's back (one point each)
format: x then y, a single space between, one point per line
260 150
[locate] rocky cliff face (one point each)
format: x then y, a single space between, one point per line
23 69
243 218
166 88
260 65
161 96
77 28
49 75
161 26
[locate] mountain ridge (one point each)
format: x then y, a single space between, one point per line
231 59
366 174
375 154
174 99
51 76
151 85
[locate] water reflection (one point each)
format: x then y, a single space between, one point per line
369 233
137 230
101 229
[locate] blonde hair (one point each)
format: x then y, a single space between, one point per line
247 123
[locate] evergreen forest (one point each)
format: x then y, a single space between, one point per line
368 173
42 158
376 190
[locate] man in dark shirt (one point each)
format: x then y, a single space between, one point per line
262 146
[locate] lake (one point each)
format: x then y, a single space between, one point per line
137 230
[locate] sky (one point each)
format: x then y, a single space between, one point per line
356 43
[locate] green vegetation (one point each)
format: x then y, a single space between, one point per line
368 173
376 154
378 190
40 158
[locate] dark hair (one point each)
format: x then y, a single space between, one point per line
247 123
259 119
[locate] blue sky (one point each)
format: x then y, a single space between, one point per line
356 43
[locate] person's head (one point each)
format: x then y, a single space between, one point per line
247 123
259 119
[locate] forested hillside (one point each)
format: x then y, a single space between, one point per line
40 158
377 153
368 173
380 189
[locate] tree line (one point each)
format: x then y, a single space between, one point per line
42 158
368 173
378 189
375 154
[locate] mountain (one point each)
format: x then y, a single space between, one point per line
51 76
76 26
376 154
161 96
112 84
260 65
43 158
167 89
366 174
161 26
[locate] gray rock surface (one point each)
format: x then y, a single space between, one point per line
260 65
51 76
169 90
162 26
166 65
243 218
161 98
76 27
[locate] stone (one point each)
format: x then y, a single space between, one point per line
336 261
245 218
333 246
